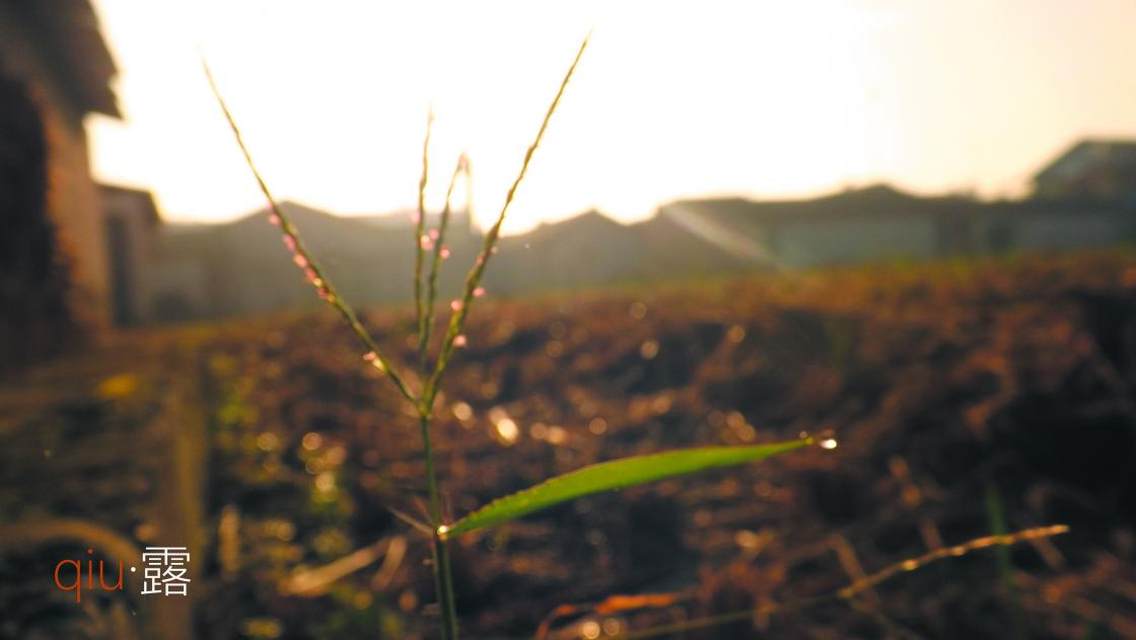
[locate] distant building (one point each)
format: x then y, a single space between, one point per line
131 222
54 271
881 224
1099 170
855 225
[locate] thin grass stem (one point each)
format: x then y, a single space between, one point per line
443 580
473 279
857 587
303 258
420 239
446 589
911 564
415 523
436 265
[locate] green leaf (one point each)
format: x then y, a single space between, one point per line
614 474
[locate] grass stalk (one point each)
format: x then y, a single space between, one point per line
857 587
315 275
419 240
440 553
424 306
436 264
443 577
446 589
443 574
473 279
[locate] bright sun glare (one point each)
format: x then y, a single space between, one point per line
670 101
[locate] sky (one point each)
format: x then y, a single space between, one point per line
759 99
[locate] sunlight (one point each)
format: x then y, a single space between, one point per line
670 101
333 103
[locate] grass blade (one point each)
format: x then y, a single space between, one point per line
614 474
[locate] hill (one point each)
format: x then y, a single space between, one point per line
244 269
239 268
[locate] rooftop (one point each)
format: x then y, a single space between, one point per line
68 32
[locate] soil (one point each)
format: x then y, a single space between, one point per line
967 399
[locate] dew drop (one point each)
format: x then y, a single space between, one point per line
649 349
508 430
311 441
736 333
462 411
539 431
597 426
826 439
557 435
325 482
373 358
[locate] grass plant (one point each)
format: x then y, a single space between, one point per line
432 363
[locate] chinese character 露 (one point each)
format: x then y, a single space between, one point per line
165 571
